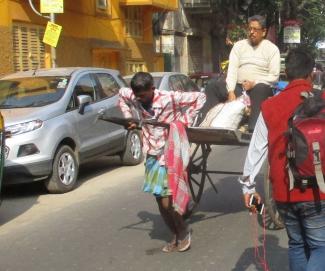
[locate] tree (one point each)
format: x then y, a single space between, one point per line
311 14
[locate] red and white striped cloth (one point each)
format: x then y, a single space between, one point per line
177 157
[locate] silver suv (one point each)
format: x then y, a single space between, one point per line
52 123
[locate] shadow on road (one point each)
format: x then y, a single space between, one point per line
276 256
229 198
17 199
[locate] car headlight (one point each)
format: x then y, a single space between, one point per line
24 127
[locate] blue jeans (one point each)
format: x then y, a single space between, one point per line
305 225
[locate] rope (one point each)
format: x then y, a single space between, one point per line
261 259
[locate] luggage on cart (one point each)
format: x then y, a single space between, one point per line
226 115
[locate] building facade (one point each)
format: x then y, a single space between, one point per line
104 33
187 37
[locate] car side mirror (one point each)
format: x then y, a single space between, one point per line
83 100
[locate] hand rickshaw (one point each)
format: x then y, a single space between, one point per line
202 138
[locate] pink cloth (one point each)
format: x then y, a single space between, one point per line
177 156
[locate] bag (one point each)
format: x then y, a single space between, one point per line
211 115
306 143
230 115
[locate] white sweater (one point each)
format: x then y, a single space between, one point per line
260 63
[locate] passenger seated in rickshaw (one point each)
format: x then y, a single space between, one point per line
254 66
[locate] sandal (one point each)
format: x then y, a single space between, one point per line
184 244
170 247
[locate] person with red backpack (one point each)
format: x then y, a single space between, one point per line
301 203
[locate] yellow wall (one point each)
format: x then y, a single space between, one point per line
89 37
6 65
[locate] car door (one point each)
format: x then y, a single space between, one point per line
93 133
108 89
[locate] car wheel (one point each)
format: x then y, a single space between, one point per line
132 154
64 171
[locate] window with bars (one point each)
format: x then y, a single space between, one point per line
101 4
133 22
28 48
135 66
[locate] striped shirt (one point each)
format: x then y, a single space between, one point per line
167 106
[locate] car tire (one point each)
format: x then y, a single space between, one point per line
132 154
64 171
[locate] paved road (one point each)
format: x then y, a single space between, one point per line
107 223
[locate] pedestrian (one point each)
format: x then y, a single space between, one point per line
303 211
165 107
254 66
318 76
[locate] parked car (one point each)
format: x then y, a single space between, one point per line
52 124
202 78
170 81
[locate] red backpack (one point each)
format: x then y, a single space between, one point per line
306 143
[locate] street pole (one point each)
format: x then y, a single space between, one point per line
52 19
53 50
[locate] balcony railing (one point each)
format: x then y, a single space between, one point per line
197 3
199 6
166 5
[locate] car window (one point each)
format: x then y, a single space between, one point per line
124 82
85 86
157 81
109 86
31 91
189 85
175 84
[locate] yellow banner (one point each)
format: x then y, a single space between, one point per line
52 34
51 6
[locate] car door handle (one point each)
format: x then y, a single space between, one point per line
100 113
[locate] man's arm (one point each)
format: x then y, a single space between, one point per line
125 99
256 155
231 79
192 102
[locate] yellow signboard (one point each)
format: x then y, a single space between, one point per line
51 6
52 34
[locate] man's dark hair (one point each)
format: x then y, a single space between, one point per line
299 64
141 81
258 18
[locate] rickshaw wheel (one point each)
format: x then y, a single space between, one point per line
196 175
275 221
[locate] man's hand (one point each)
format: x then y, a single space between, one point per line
131 125
248 85
247 198
231 96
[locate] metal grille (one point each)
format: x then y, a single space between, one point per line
28 48
133 22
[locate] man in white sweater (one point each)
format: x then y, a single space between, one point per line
254 65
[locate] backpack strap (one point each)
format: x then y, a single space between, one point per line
318 166
291 178
292 171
